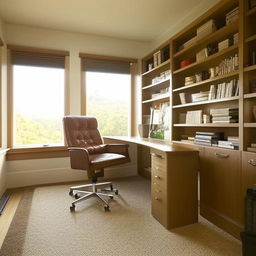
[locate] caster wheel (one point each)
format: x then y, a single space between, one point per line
71 193
116 191
111 197
72 208
111 187
106 207
76 196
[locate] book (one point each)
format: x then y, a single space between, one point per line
250 149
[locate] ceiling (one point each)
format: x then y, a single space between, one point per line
141 20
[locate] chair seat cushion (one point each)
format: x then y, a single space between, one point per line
107 159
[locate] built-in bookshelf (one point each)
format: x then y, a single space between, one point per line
204 57
213 102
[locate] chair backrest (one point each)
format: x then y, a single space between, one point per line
82 131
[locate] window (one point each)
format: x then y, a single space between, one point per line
107 86
38 99
38 105
108 99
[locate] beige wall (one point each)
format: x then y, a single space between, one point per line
75 43
3 108
29 172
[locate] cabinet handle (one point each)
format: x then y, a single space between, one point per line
252 162
156 198
157 177
156 155
221 155
156 167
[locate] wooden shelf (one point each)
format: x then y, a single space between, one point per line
250 125
249 95
207 125
217 35
155 84
251 12
206 102
212 57
210 80
250 39
156 68
250 68
165 97
198 145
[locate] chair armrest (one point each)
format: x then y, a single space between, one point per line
121 149
79 158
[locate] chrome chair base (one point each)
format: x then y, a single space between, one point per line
93 192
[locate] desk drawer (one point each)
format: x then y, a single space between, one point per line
158 160
158 204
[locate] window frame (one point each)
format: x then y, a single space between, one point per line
21 153
1 91
133 72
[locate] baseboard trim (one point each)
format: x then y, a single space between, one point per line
230 226
17 179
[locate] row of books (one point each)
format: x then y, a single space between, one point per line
209 27
157 58
220 91
224 115
224 90
212 48
227 65
216 139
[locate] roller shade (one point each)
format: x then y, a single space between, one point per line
37 59
105 66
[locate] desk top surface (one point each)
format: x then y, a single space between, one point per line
161 145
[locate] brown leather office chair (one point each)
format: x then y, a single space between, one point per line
88 152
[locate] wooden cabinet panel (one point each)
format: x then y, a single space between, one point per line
248 175
220 182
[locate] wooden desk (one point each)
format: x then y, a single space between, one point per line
174 181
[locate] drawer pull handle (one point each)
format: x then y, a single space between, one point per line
157 177
252 162
221 155
156 198
157 191
157 168
156 155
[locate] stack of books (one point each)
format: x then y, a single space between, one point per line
227 65
163 76
223 45
157 58
188 43
235 38
206 29
252 148
194 117
200 96
190 80
228 89
231 143
232 16
187 139
182 98
208 138
202 55
224 115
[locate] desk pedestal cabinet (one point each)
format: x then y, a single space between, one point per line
174 187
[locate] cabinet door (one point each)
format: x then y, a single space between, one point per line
248 174
220 181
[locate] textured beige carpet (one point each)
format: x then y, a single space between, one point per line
45 227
